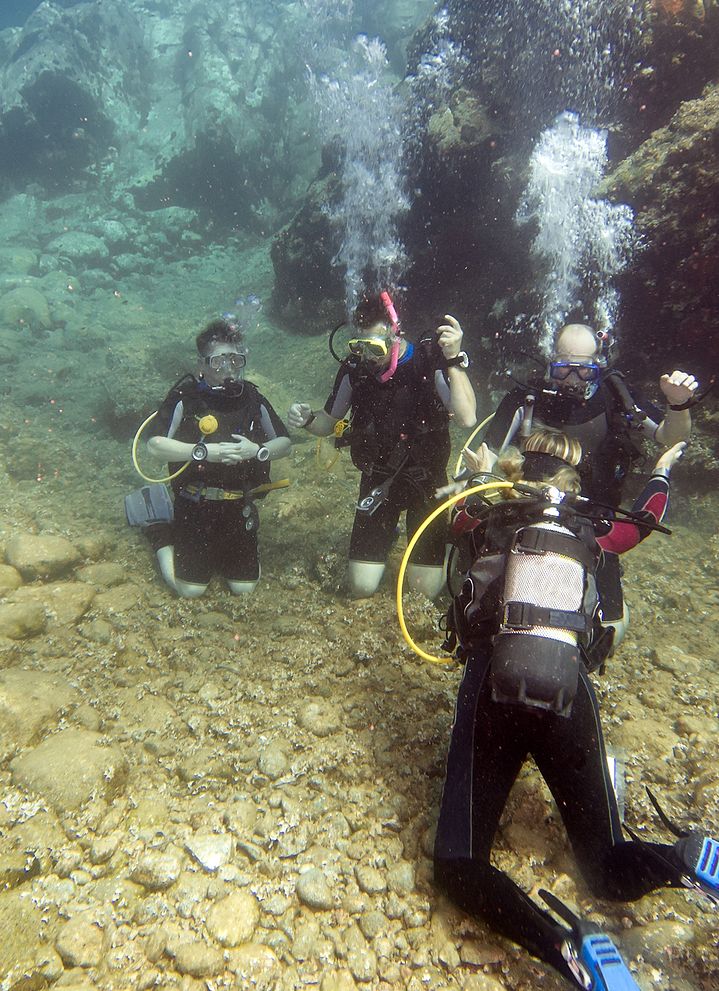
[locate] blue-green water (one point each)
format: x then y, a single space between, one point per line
241 792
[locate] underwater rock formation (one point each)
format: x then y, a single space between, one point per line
671 182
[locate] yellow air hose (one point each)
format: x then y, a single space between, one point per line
408 553
208 425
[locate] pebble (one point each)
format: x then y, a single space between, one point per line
273 761
198 959
320 718
370 880
157 870
651 941
401 878
314 891
210 850
233 920
79 943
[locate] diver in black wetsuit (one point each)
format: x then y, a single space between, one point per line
526 639
401 396
226 467
586 400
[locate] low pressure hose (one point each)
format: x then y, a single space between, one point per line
408 553
208 425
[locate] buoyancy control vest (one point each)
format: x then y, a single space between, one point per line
404 412
236 413
605 425
529 589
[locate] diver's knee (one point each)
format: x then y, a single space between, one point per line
189 590
242 588
364 578
427 579
166 563
619 626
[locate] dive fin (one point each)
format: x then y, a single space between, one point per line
590 954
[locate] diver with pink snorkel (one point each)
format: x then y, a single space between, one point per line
399 397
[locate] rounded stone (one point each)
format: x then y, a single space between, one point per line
20 620
320 718
233 920
41 555
314 891
157 870
198 960
79 943
370 880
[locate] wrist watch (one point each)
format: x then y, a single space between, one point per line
262 453
199 452
460 360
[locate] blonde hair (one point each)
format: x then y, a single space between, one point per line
558 445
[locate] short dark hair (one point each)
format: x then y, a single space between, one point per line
369 312
218 332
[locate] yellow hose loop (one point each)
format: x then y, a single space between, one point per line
140 472
408 553
327 465
471 437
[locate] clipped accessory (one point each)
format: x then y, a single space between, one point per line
149 505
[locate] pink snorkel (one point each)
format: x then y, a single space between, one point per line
394 319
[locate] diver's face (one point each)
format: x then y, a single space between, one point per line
574 368
373 345
224 365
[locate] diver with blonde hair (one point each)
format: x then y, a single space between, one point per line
524 621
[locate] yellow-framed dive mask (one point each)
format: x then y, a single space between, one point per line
368 347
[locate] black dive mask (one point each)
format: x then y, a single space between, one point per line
539 466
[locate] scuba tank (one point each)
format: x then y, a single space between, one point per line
532 591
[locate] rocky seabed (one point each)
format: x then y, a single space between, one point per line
241 793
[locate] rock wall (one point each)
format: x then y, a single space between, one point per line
468 171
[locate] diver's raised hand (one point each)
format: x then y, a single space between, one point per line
298 415
480 460
678 388
449 337
667 460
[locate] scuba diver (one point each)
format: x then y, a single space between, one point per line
585 398
525 620
401 396
219 435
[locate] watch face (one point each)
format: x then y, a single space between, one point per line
199 452
262 454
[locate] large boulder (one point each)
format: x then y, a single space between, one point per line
41 555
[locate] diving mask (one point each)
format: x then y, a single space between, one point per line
586 371
231 360
368 347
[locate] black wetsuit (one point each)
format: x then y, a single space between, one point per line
399 431
490 742
210 535
609 426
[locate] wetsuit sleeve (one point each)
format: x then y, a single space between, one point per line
441 387
652 504
272 425
169 417
653 416
504 425
340 399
